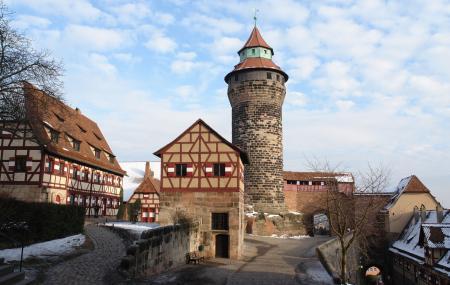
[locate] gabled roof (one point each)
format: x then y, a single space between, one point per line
45 111
242 154
410 184
344 177
135 175
255 40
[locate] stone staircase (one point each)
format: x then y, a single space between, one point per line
9 277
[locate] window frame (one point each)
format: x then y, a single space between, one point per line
219 169
54 136
23 163
181 169
220 221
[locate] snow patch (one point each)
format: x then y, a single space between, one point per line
45 249
136 228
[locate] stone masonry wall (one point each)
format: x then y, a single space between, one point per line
160 249
257 129
199 206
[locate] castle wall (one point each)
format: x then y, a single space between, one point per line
257 129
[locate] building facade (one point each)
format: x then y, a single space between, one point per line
409 194
256 91
202 181
58 155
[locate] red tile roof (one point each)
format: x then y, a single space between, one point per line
256 40
45 111
148 185
256 63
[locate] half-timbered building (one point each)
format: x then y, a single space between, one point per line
58 155
202 180
143 185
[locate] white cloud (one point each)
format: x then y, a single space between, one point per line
345 105
26 21
211 25
93 38
302 67
296 99
127 57
182 66
161 43
102 64
79 10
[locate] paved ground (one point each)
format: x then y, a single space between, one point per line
267 261
94 266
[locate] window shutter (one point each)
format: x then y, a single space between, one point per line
170 169
189 169
11 163
29 163
228 169
209 169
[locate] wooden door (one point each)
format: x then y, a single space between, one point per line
222 245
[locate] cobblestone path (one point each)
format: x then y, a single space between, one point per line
90 268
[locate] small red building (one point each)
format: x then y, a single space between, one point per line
141 183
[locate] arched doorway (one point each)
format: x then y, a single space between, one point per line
321 224
222 245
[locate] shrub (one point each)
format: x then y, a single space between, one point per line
44 221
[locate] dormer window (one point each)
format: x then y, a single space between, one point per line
97 152
61 119
54 136
81 128
97 136
76 145
110 157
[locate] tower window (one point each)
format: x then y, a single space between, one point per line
269 75
265 51
253 51
278 77
236 77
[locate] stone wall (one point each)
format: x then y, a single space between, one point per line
160 249
329 254
257 129
198 207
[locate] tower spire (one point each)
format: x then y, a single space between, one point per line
255 18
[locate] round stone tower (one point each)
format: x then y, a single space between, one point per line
256 90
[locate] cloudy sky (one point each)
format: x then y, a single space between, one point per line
369 80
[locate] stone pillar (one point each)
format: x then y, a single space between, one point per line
257 99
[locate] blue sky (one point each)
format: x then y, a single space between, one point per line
369 80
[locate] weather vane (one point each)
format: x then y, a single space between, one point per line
255 11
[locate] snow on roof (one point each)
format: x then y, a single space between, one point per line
410 244
437 235
135 174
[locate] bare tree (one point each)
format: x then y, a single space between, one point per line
352 216
20 63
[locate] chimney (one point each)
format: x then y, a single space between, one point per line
148 172
416 215
439 214
423 213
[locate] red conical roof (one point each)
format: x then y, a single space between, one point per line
255 40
